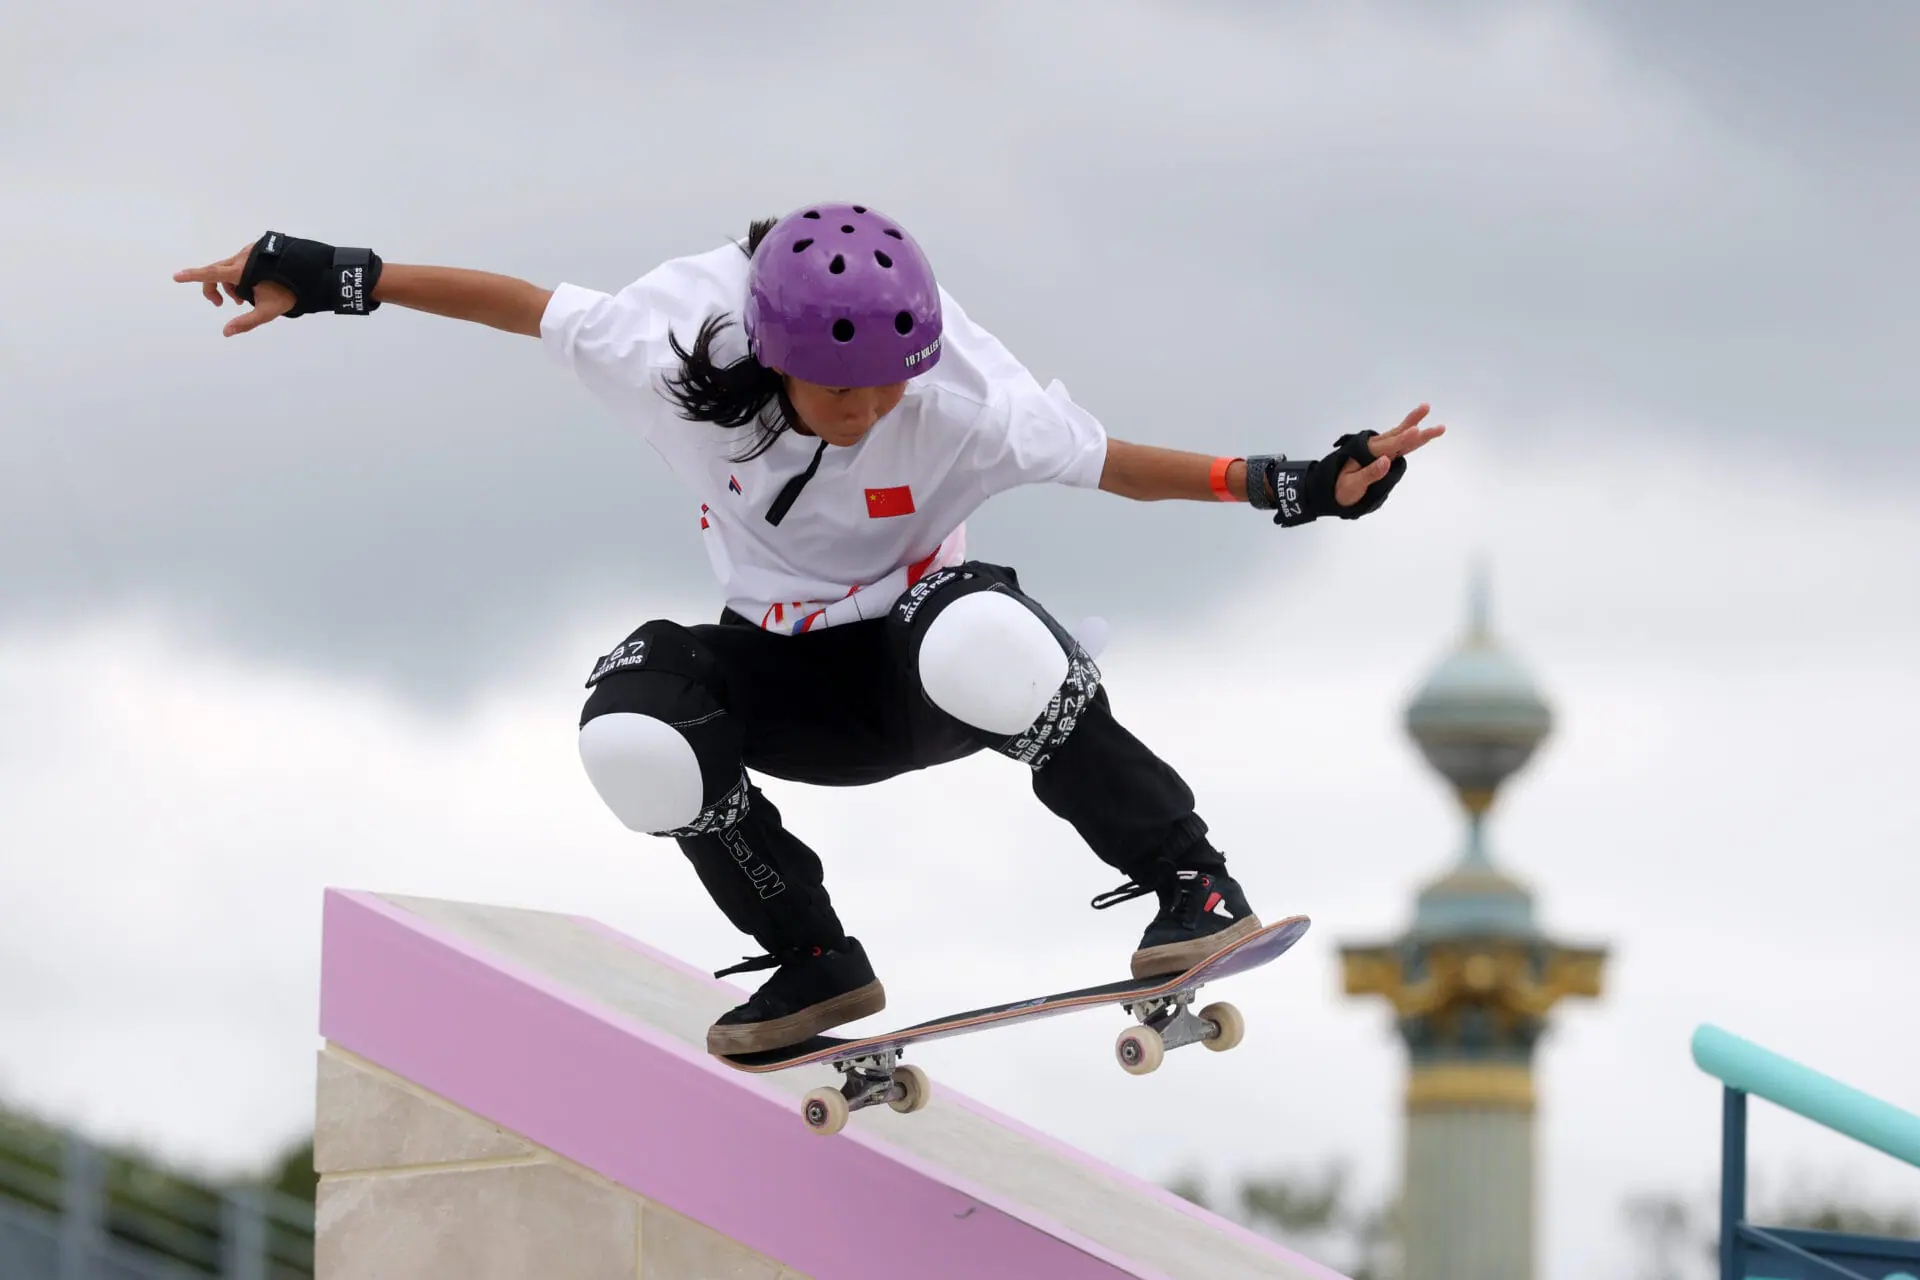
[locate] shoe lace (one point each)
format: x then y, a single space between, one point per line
772 960
1125 893
1190 895
749 965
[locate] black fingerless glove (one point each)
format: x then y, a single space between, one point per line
1302 492
320 277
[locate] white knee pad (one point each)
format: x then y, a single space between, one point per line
987 660
644 770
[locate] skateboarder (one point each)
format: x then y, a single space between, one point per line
838 417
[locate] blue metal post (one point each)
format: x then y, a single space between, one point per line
83 1194
243 1233
1733 1183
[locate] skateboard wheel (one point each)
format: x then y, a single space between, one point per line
916 1090
1140 1050
1232 1026
825 1110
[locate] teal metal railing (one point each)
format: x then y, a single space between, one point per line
1748 1252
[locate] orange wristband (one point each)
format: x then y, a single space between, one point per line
1218 478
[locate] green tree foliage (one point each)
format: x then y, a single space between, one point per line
150 1204
1317 1213
293 1174
29 1161
1293 1205
1666 1232
1902 1222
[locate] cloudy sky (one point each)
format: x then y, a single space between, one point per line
312 607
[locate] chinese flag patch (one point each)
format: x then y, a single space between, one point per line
897 501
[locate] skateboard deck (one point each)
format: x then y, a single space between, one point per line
1160 1004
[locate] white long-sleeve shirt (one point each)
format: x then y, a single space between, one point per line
877 515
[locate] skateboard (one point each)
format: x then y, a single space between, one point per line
1162 1006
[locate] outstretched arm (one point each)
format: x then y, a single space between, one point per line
1148 473
497 301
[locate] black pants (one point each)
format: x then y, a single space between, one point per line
843 706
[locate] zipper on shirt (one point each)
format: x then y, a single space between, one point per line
790 492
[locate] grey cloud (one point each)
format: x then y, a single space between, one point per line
1223 230
1537 218
1836 76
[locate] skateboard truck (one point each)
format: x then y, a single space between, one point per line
1168 1022
1161 1006
870 1080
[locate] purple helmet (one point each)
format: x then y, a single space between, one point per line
840 295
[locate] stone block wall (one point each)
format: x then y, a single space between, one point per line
415 1188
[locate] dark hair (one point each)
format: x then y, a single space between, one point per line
732 395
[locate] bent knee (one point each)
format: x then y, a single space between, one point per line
991 662
655 737
644 770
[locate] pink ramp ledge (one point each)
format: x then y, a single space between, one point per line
579 1039
1208 1221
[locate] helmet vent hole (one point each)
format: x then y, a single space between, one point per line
882 258
812 213
848 228
903 323
801 246
859 208
843 330
895 234
838 264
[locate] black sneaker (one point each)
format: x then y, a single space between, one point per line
812 989
1201 911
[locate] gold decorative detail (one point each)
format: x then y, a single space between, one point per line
1493 973
1476 800
1445 1086
1478 973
